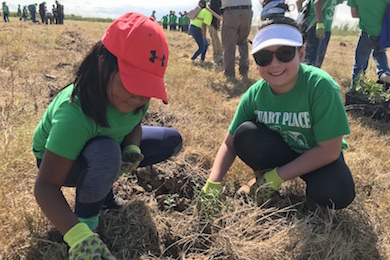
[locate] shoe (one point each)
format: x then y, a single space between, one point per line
113 202
385 77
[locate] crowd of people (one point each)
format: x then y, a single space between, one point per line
289 124
55 15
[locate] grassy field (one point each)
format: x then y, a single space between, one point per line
161 220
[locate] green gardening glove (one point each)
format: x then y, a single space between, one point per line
131 157
320 31
209 200
84 244
265 186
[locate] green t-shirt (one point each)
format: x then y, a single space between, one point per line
203 17
65 129
311 112
328 9
5 9
371 14
165 19
186 20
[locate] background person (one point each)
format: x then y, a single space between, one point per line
289 124
198 30
236 25
94 123
5 12
370 14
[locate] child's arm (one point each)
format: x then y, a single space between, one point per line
51 176
354 12
318 10
134 137
223 160
317 157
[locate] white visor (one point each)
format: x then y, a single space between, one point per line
277 34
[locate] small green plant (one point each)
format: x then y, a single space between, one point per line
371 91
170 202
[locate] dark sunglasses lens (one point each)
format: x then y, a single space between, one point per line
285 53
263 57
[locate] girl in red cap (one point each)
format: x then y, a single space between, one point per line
93 126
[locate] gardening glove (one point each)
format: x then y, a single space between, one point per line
131 157
320 31
84 244
202 4
209 200
265 186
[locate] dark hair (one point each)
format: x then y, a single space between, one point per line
91 81
282 20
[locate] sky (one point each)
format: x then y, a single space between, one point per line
115 8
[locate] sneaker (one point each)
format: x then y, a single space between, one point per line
113 202
385 77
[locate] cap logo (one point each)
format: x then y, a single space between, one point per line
154 57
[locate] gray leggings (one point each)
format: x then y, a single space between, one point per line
261 148
96 169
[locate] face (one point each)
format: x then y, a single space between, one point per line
120 98
282 76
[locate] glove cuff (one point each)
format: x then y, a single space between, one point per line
212 187
320 26
272 177
77 233
131 148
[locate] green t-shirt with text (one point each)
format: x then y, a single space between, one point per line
311 112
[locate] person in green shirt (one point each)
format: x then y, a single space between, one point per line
153 15
289 124
20 13
5 12
370 14
186 21
92 128
319 20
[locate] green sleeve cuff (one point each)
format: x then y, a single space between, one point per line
131 148
77 233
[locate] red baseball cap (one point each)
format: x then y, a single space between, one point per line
140 46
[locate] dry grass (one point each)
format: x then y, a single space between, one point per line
161 221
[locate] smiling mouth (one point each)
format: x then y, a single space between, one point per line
276 73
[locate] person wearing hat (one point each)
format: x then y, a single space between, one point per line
288 124
93 127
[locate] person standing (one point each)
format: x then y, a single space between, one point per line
320 19
33 10
153 15
20 15
186 22
24 12
198 30
164 21
42 11
370 14
5 12
236 25
215 26
93 127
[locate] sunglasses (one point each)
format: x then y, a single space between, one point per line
283 54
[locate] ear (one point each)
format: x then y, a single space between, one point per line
301 53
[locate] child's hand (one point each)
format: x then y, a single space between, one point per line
265 186
84 244
320 31
131 157
209 200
